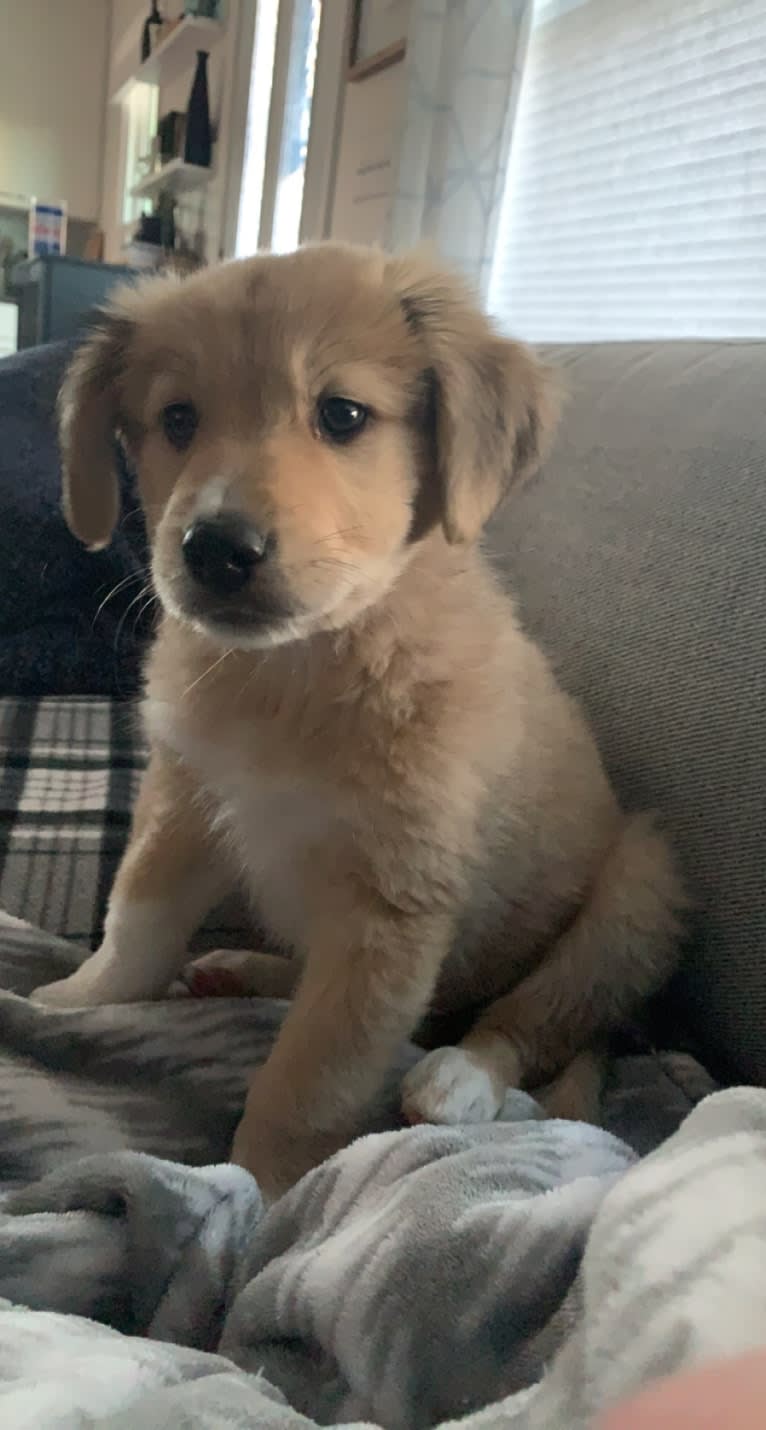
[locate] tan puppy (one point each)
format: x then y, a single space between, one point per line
342 708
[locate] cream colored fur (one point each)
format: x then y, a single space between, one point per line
416 809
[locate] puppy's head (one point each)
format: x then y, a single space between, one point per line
299 425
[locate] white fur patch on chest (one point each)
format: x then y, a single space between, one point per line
275 823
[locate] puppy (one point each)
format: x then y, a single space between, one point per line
342 708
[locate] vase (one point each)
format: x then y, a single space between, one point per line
166 210
198 145
151 31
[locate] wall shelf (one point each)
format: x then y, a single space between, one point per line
174 57
177 176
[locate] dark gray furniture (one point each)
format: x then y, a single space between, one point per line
57 295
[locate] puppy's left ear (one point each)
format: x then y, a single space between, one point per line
496 405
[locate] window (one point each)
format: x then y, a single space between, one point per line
259 104
635 203
288 203
279 120
141 110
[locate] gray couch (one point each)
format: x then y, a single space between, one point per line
639 557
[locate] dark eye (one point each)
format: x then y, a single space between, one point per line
179 422
340 418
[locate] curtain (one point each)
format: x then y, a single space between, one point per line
462 77
636 201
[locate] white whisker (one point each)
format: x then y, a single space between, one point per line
207 672
120 586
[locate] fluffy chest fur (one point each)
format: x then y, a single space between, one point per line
279 824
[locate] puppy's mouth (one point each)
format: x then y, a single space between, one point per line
235 619
258 621
226 582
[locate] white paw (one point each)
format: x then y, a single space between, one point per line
450 1086
72 992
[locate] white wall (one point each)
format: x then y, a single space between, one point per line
128 18
52 86
365 173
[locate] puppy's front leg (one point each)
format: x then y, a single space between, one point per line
358 1000
170 877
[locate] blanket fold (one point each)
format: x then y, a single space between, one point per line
519 1276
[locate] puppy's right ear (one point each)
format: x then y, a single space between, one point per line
88 415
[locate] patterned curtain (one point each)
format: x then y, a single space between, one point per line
463 71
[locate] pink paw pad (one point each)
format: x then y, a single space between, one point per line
413 1119
213 983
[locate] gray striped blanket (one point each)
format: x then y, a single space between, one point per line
524 1275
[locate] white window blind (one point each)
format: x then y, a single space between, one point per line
635 203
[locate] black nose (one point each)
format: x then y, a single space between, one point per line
221 552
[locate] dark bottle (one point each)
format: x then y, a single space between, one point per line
199 136
149 40
166 210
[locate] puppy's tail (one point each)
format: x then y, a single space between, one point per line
619 949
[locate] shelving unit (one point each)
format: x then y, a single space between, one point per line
139 95
178 177
175 56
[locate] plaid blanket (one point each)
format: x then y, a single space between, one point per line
69 773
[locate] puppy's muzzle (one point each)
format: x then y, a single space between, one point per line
223 552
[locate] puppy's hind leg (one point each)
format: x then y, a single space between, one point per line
619 949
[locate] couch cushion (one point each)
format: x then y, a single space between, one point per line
639 557
69 621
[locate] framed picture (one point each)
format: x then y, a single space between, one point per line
378 35
47 228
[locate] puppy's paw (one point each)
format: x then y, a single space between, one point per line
450 1086
101 979
72 992
224 973
239 973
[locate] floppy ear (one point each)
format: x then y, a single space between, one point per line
88 413
496 405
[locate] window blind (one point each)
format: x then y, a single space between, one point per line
635 202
